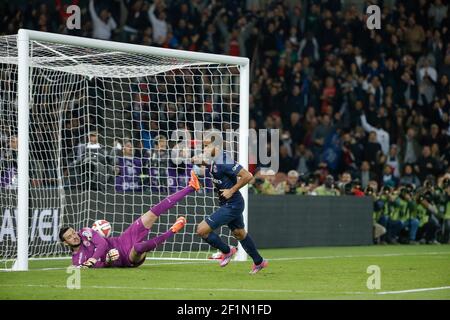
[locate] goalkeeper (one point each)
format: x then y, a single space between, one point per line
91 250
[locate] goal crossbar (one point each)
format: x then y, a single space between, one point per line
25 34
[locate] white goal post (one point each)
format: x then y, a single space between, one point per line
64 60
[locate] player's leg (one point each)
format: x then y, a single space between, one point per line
206 229
249 246
140 249
237 229
152 215
139 229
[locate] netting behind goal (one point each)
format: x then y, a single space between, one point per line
103 125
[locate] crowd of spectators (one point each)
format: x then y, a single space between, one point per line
357 108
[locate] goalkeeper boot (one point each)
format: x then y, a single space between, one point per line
257 268
193 182
227 256
178 225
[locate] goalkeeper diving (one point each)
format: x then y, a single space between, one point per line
91 250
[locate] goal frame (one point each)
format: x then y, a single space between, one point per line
24 37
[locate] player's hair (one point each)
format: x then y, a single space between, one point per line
61 233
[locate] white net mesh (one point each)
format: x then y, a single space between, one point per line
101 131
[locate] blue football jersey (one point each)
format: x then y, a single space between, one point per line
224 171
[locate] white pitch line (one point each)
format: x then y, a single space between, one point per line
223 289
178 289
206 261
363 256
146 264
414 290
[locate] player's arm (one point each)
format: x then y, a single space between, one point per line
101 248
244 177
111 256
93 13
367 127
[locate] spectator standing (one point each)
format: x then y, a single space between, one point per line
103 24
414 37
409 178
372 150
90 164
411 147
128 169
365 175
393 161
381 135
159 23
159 161
427 164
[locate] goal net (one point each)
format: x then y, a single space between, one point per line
110 129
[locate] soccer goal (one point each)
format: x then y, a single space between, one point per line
93 129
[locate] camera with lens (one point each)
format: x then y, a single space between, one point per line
387 190
369 191
429 182
445 183
426 195
405 193
346 188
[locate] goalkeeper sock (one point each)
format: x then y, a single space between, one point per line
171 201
149 245
250 248
214 241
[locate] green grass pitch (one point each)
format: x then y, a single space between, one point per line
301 273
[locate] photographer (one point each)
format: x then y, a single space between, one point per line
269 184
160 162
444 206
327 189
427 216
291 185
390 217
91 163
378 229
254 186
406 214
